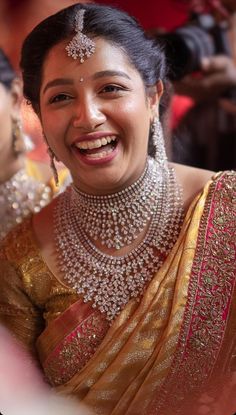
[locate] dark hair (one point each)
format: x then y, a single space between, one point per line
7 73
107 22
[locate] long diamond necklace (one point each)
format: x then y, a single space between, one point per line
109 282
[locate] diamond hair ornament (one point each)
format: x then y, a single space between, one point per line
80 46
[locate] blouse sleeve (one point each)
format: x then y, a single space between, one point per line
17 312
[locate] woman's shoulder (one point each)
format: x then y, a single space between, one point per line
22 263
43 223
44 234
192 180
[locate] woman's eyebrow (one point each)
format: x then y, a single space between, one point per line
97 75
57 82
103 74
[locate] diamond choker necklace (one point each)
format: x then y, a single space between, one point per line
116 220
119 218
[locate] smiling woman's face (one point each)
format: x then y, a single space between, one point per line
96 116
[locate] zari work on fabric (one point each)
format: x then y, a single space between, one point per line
171 353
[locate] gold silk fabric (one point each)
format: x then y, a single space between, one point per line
171 352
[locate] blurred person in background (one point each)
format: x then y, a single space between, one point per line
206 135
25 185
200 125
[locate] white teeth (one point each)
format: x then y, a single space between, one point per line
104 141
97 143
99 155
91 145
85 145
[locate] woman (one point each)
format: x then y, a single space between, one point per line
121 299
22 181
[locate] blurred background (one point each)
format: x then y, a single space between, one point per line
18 17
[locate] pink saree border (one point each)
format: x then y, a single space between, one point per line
70 340
209 297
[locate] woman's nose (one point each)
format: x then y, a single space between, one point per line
88 116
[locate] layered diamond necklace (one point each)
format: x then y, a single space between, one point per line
110 281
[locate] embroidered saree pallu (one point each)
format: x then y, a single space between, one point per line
171 352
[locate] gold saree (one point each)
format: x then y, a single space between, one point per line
171 352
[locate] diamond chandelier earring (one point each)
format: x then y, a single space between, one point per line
18 141
52 158
80 46
52 165
158 143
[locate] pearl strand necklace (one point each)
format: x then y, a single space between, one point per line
109 282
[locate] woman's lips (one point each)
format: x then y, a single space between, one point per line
98 151
95 143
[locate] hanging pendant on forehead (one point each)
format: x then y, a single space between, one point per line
80 47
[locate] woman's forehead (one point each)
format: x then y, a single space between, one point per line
106 57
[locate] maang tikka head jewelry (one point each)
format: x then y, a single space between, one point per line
19 146
80 46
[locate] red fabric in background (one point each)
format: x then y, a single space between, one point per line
166 14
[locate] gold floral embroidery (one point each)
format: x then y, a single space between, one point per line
75 350
210 292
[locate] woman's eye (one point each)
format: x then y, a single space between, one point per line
112 88
60 98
